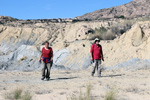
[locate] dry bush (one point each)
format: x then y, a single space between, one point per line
103 36
121 28
85 96
147 18
111 32
111 95
18 94
27 96
15 95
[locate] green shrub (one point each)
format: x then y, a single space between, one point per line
17 93
122 17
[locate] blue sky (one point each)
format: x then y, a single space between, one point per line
39 9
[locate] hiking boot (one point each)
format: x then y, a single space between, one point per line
92 74
47 79
42 78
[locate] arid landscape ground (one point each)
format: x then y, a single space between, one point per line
127 85
125 40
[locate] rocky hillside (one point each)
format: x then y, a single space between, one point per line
136 8
124 41
20 44
21 40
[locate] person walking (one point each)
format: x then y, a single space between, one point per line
96 57
47 60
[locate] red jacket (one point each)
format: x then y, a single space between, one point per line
47 54
96 51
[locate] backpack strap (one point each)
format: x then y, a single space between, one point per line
93 48
93 51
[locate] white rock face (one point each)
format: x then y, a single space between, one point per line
20 58
60 55
20 47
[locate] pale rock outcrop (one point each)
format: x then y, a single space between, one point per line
132 44
70 51
23 58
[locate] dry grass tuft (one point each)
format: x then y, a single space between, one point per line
18 94
111 95
85 96
27 96
15 95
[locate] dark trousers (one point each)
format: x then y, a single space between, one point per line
46 68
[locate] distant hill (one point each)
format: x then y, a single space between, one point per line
135 8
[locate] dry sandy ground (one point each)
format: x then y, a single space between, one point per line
63 84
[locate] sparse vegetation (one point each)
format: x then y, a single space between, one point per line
18 94
103 34
111 32
27 96
111 95
15 95
121 28
101 30
85 96
75 20
122 17
147 18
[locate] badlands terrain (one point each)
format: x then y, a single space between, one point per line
125 69
126 46
127 85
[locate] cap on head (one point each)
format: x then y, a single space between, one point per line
97 39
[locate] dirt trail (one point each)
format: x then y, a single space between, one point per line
63 84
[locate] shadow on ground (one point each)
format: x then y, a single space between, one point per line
116 75
64 78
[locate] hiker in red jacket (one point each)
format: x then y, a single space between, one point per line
96 57
47 60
